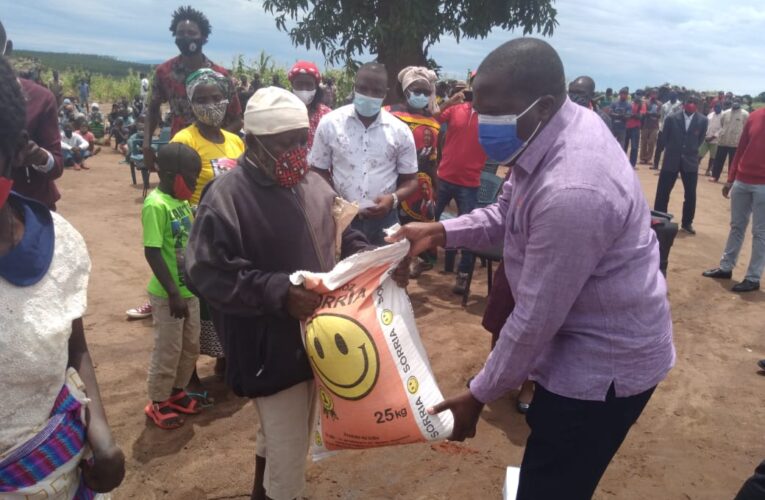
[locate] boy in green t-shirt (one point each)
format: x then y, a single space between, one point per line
166 218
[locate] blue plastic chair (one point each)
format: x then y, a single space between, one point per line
135 160
487 195
491 167
489 190
164 136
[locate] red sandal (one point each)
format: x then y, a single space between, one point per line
154 412
191 409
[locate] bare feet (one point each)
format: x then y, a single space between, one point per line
77 166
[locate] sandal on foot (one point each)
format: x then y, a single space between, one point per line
192 408
154 412
202 398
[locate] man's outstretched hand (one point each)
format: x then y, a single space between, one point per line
466 410
422 236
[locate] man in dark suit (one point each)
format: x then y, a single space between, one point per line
683 132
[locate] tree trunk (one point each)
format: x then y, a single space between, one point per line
398 48
395 59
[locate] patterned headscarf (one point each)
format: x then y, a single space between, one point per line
304 68
207 76
411 74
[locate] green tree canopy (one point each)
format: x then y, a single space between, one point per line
400 32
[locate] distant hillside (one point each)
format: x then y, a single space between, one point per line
104 65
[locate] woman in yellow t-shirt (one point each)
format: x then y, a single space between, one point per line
209 93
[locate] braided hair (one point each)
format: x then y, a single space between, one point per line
12 111
189 13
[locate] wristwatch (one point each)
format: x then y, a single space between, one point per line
395 201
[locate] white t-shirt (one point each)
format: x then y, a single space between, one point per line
144 87
76 141
35 326
365 162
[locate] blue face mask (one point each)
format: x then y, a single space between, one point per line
417 101
718 108
498 136
367 106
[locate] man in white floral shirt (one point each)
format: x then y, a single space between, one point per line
367 154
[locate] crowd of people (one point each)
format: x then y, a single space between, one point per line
248 190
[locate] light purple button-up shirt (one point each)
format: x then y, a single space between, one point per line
582 261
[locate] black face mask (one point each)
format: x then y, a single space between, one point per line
68 133
188 46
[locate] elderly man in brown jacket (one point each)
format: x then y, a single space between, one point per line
257 224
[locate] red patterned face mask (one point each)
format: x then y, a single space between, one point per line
291 167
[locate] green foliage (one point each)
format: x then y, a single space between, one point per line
109 78
104 65
103 88
265 67
344 29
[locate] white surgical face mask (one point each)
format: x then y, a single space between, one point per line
305 95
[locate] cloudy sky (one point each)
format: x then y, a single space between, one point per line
703 44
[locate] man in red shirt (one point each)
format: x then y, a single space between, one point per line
191 29
459 173
746 187
41 163
633 127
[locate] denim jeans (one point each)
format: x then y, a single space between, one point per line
746 199
621 137
633 139
373 228
467 199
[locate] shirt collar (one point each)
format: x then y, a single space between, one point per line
539 147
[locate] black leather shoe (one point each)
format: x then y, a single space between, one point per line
746 286
761 364
718 273
688 228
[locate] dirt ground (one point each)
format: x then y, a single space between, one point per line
699 437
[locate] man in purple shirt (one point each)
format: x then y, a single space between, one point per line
591 325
